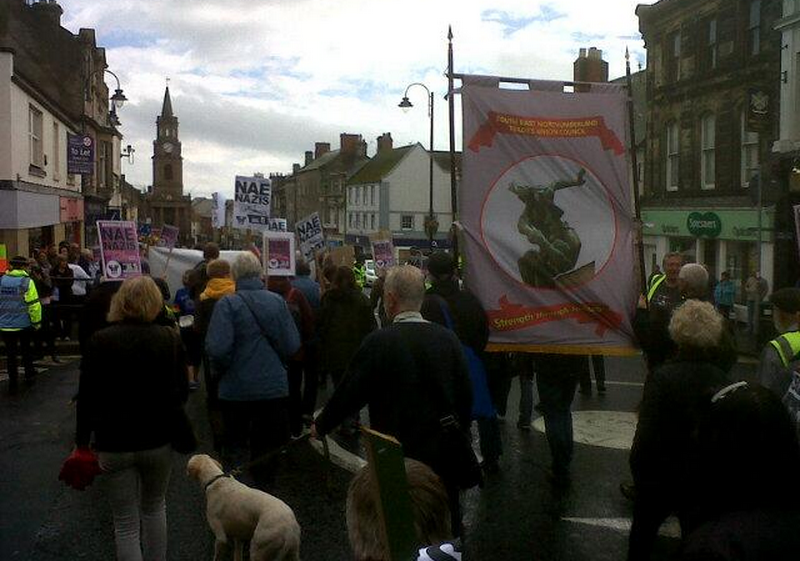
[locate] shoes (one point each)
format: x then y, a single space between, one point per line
524 426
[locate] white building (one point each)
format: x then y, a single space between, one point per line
789 26
40 202
392 192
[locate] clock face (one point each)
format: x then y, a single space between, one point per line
167 146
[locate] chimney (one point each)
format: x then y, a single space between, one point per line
385 142
296 167
348 143
590 67
49 10
321 148
309 157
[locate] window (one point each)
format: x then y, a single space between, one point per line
407 222
754 27
56 152
712 43
35 136
672 157
358 195
350 220
371 221
358 220
372 195
749 165
707 152
101 164
674 58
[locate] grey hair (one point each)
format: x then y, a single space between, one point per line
670 255
407 283
245 266
697 325
696 278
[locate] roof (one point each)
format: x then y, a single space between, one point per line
166 109
380 165
442 159
322 161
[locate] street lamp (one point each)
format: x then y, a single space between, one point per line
117 100
431 223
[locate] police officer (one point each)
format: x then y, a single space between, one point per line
360 272
782 355
20 315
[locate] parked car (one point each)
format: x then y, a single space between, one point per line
372 275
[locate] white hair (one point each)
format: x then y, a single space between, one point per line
407 283
246 265
696 278
696 324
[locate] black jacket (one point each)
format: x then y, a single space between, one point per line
133 380
398 372
466 311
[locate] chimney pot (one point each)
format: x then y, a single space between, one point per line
309 157
385 142
321 148
295 168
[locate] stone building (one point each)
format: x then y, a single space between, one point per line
166 203
51 86
712 117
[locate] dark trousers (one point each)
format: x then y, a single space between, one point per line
295 376
556 391
19 342
599 367
212 404
490 442
650 510
46 335
253 429
310 378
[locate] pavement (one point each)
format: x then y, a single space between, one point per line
517 515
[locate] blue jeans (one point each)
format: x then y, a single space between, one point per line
556 391
136 486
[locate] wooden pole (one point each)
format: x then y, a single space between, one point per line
451 113
634 162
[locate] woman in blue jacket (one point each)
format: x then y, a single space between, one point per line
249 339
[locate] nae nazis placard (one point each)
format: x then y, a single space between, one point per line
252 203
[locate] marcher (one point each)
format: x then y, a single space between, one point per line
81 283
429 504
191 342
376 297
725 295
250 337
446 304
360 272
304 321
756 289
20 316
599 368
305 284
412 374
780 360
45 335
655 274
131 409
63 279
219 284
311 347
748 459
663 450
199 276
345 320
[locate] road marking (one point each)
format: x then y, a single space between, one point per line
634 384
669 529
607 429
339 456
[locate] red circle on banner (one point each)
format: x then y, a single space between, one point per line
603 240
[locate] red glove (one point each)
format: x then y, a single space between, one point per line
80 469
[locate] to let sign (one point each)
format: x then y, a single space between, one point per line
80 154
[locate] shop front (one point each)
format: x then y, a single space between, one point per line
721 239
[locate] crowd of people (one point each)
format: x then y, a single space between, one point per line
714 450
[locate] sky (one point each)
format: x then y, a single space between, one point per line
255 83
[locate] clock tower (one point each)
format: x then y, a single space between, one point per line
167 159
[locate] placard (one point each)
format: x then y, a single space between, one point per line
119 249
277 225
252 203
278 254
217 210
169 236
383 250
310 235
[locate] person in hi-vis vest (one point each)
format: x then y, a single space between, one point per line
20 315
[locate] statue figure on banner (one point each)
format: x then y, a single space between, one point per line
551 262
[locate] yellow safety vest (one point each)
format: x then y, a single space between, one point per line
654 284
787 346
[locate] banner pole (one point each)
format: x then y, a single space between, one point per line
451 113
635 162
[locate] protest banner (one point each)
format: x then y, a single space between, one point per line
546 211
310 235
278 254
169 236
277 225
217 210
383 250
119 249
3 258
252 203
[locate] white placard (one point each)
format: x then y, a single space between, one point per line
252 203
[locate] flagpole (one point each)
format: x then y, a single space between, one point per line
635 162
451 112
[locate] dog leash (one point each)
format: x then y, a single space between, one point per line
261 459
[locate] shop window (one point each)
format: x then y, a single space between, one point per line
672 156
749 159
707 151
35 137
407 222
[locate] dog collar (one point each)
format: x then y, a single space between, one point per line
215 479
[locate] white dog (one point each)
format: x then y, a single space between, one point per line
237 513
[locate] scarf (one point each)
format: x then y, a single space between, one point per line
217 288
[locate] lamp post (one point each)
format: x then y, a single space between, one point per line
117 100
431 223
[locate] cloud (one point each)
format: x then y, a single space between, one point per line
256 82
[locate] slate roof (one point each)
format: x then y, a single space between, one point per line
380 165
322 161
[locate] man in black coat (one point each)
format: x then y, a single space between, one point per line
411 373
198 278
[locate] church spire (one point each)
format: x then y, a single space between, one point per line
166 109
